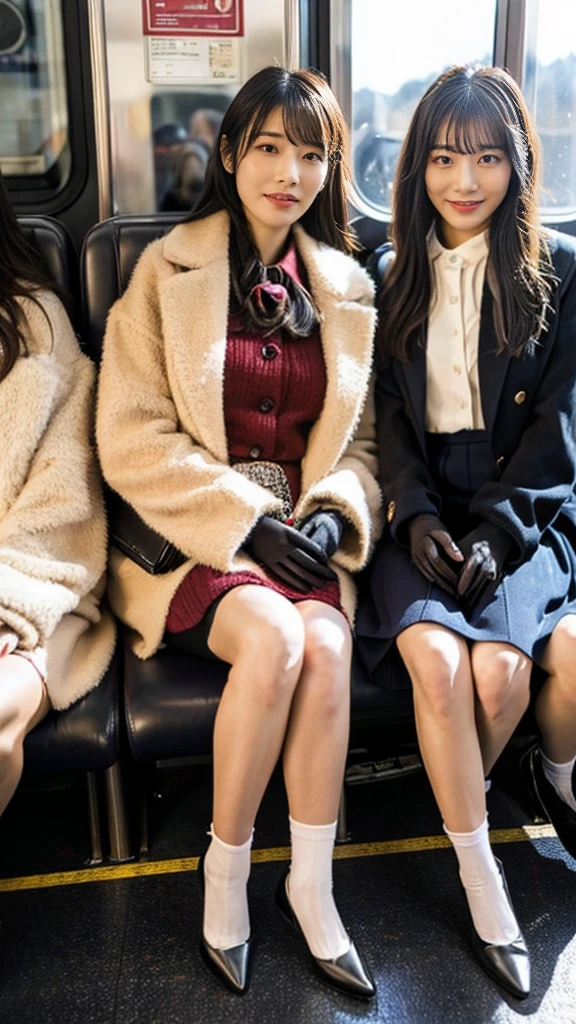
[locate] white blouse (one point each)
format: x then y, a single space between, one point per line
453 399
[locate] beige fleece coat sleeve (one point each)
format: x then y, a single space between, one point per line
52 523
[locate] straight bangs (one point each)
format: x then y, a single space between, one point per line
305 117
473 124
477 117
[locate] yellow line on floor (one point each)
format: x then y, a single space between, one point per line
142 869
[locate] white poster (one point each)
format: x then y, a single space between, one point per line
174 60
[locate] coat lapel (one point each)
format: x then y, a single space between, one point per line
194 307
342 293
492 368
415 379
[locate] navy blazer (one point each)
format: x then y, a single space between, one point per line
529 407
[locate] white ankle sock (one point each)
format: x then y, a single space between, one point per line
310 889
560 776
493 918
226 871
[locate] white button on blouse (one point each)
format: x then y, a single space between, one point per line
453 399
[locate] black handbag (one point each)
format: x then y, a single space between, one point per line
131 535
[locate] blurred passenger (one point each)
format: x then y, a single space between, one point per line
475 579
167 140
189 172
204 127
55 642
235 372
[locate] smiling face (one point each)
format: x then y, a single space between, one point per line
277 182
466 188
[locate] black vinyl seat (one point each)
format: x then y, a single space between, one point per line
171 699
86 736
54 244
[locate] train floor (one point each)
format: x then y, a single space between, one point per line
119 945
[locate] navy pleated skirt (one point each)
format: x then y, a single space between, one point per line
522 609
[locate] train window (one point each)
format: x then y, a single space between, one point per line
162 132
550 88
396 51
34 111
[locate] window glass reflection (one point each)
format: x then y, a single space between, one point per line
34 111
397 50
550 88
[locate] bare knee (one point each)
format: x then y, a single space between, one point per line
271 655
501 679
327 656
435 665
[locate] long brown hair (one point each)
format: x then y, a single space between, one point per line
22 276
312 117
471 106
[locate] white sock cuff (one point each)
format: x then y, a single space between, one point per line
559 769
243 848
468 838
314 833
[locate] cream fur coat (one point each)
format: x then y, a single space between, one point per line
161 429
52 523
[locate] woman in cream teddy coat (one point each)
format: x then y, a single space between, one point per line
55 641
164 436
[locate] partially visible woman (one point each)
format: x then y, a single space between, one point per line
55 640
235 417
475 578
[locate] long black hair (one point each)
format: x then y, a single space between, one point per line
311 117
469 106
22 276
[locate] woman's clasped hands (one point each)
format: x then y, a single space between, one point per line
296 557
463 570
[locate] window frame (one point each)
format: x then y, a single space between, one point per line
37 191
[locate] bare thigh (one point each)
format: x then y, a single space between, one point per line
23 697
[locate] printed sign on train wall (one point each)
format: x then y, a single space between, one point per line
171 60
193 17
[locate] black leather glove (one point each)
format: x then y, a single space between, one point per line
434 552
325 527
288 555
486 549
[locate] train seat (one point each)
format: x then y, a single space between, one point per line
171 699
85 737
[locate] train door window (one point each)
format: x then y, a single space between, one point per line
34 109
396 52
162 132
550 88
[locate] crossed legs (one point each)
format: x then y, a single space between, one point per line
288 687
467 704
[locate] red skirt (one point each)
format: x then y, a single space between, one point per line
202 586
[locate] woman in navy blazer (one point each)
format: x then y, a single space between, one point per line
475 577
